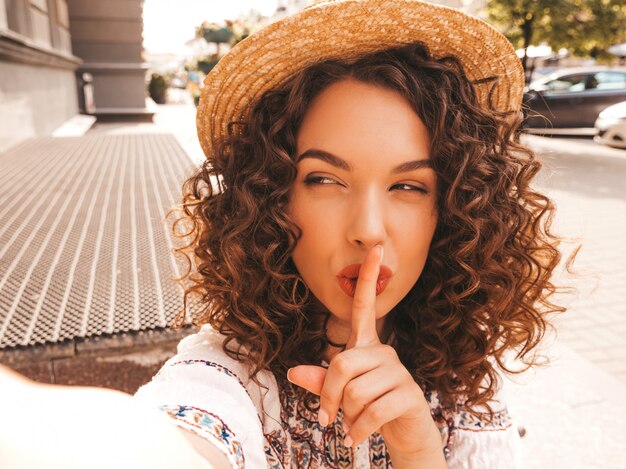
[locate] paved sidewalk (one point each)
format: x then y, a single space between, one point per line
177 118
85 257
586 181
574 409
84 246
573 413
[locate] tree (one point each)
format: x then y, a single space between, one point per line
583 27
231 32
157 88
216 33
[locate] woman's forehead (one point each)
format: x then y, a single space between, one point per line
357 121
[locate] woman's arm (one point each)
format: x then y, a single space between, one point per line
76 427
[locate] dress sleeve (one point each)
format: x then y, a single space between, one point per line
206 392
477 443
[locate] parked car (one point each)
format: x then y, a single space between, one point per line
611 126
573 97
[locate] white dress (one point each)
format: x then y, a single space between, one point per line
210 394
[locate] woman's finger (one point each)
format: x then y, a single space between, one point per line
345 367
309 377
363 330
367 388
386 408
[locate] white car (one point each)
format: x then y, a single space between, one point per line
611 126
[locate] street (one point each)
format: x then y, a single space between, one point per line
573 410
587 182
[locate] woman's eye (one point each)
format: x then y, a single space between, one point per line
312 180
324 180
410 187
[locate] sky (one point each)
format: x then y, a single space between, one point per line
168 24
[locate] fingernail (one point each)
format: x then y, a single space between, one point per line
288 378
347 441
345 427
322 418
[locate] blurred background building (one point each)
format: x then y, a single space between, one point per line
61 56
107 36
38 86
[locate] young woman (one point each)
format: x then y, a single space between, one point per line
363 230
365 244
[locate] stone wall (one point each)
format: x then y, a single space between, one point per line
37 86
34 101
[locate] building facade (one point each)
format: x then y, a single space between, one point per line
107 36
37 69
47 47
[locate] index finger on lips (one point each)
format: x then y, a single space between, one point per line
363 330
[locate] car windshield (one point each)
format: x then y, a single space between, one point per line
608 81
602 80
566 84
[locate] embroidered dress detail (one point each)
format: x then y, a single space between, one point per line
208 426
314 446
466 421
443 418
217 366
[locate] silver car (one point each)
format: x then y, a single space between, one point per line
611 126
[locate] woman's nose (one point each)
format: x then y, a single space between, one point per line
367 221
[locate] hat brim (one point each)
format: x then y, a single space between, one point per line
346 30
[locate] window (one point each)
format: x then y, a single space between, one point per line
609 81
18 17
567 84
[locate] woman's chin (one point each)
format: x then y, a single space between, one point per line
341 308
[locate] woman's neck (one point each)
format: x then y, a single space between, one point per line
338 333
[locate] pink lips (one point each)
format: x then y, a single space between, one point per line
349 275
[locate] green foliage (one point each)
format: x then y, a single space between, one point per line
206 65
586 28
230 32
157 88
213 32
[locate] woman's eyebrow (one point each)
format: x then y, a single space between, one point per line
340 163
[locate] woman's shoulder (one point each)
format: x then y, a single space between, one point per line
201 362
207 392
206 346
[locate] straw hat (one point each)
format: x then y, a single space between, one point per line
347 30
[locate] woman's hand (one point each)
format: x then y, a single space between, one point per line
73 427
377 393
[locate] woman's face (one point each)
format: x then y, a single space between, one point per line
364 178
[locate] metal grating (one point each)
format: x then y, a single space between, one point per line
84 247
